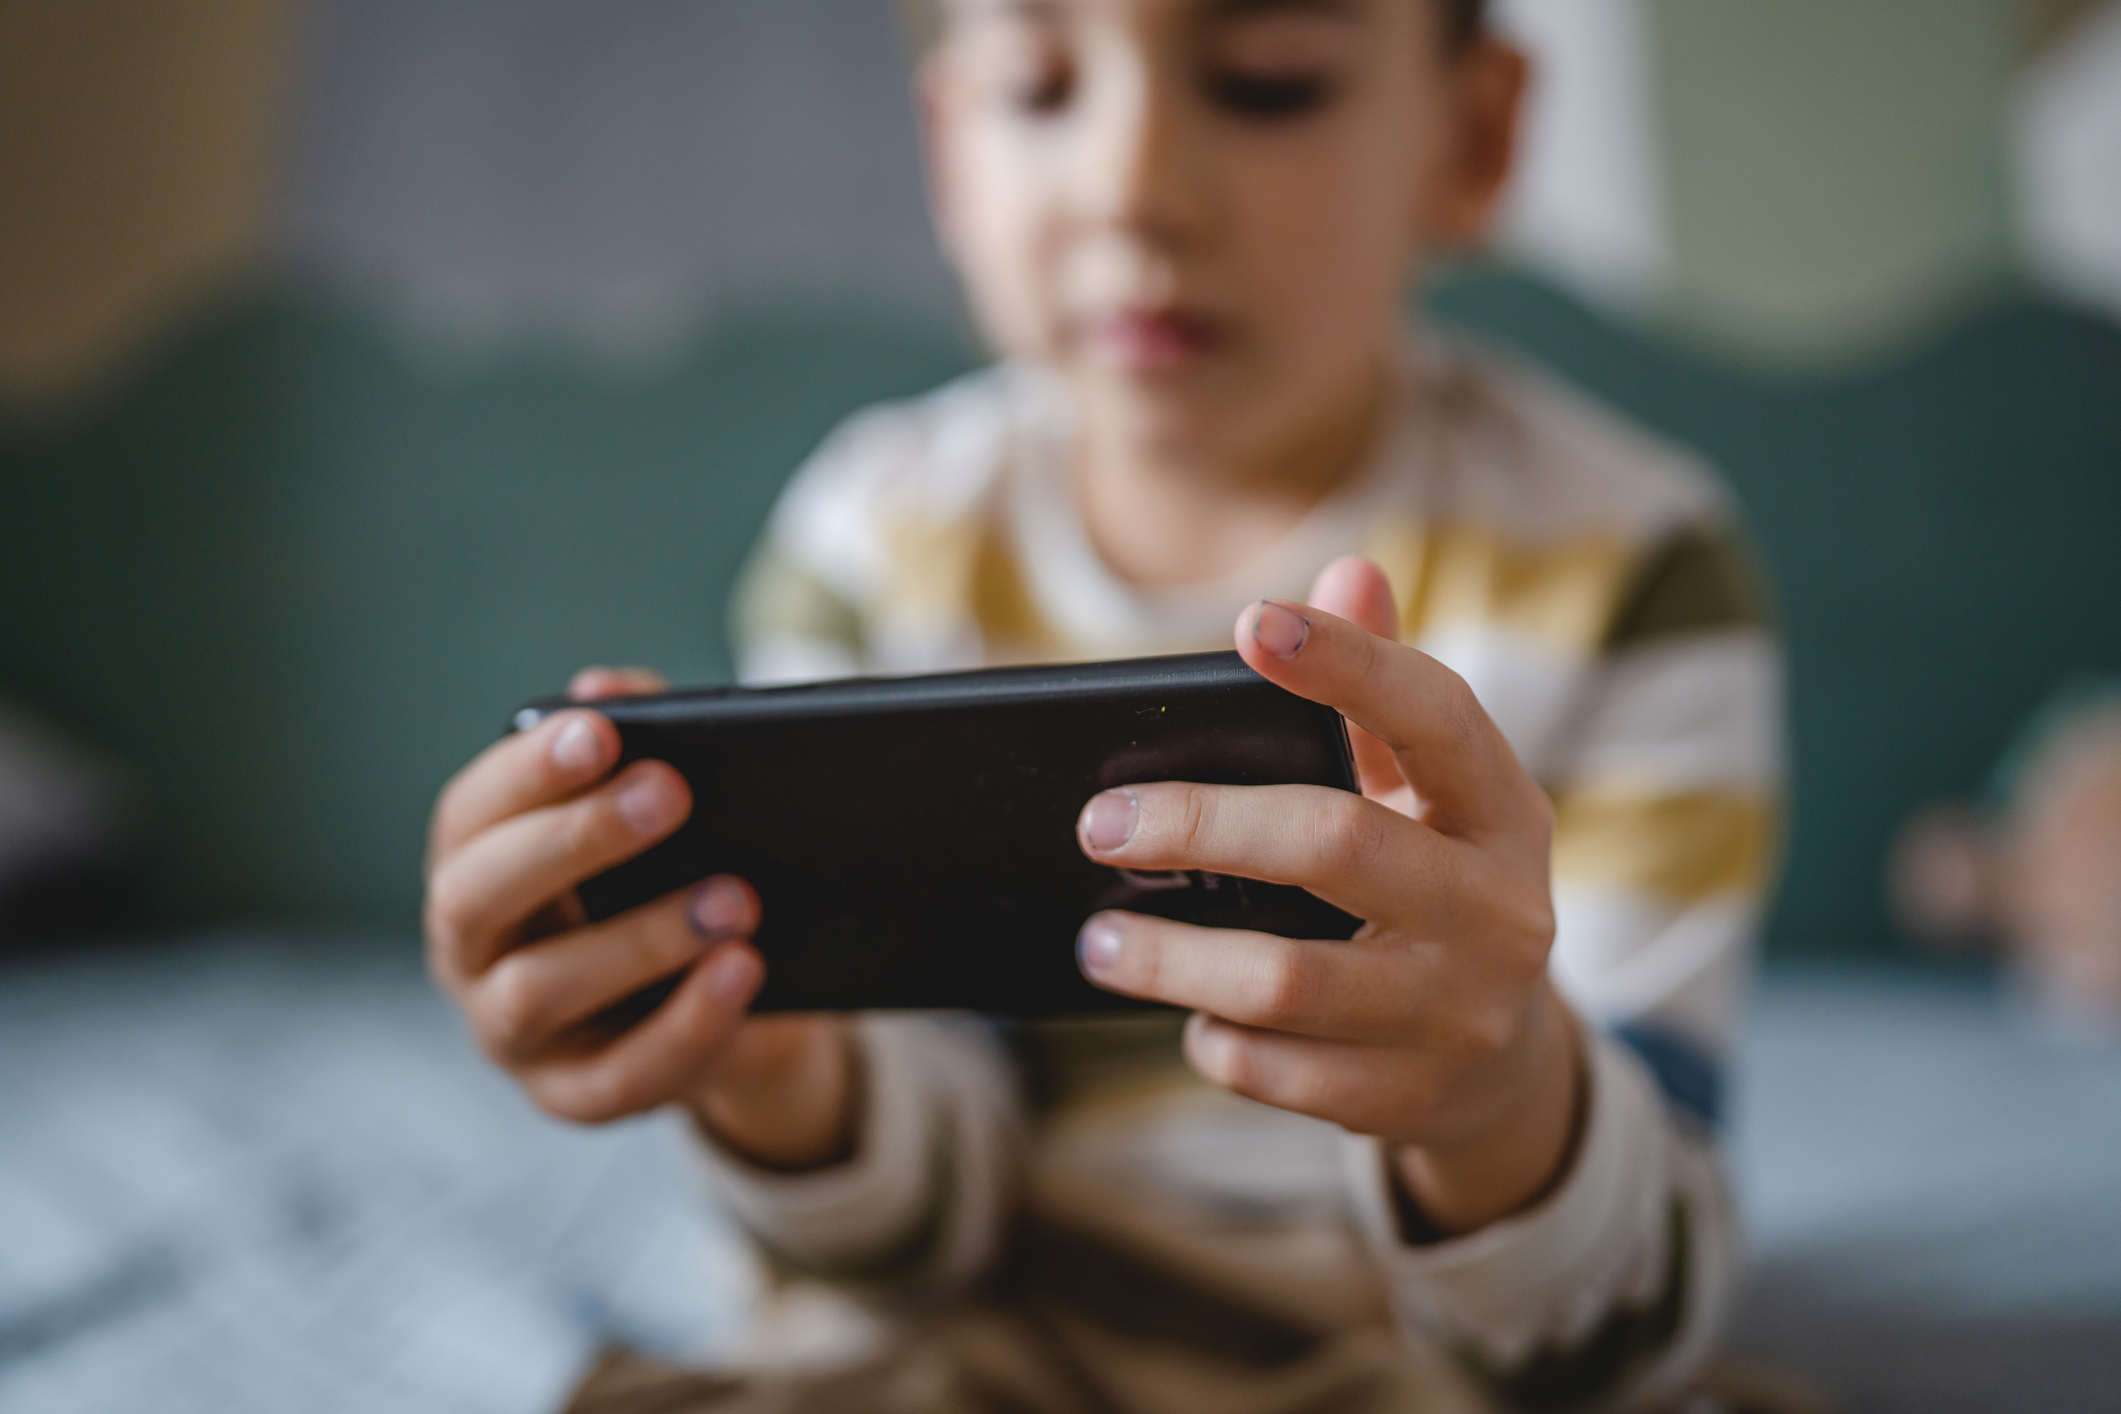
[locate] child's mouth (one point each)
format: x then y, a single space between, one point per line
1152 341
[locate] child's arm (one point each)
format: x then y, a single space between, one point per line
1579 1246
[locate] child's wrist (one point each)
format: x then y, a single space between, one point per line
1524 1155
794 1113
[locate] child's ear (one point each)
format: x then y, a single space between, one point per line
1487 87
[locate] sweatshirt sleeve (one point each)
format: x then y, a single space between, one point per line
1612 1291
1608 1294
919 1208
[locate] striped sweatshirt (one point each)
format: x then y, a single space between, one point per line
1590 584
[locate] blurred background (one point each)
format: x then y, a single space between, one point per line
366 366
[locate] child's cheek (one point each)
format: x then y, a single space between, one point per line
1007 251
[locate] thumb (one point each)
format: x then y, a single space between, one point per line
595 684
1355 589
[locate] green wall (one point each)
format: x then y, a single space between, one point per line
1945 536
292 579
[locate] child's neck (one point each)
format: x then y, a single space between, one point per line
1160 517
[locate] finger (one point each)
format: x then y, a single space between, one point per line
559 756
529 1001
1443 741
591 684
479 895
1311 988
1354 588
1364 1089
1352 852
662 1057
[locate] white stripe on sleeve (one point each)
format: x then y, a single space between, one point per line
1622 955
1690 712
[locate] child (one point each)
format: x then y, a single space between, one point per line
1187 227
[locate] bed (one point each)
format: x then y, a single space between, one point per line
262 1173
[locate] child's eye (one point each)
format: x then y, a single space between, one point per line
1252 95
1046 88
1020 62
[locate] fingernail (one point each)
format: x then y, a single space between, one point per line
577 747
732 975
1097 946
1108 823
719 908
1279 629
649 805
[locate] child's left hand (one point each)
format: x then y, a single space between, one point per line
1435 1027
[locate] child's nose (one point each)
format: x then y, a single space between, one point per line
1143 167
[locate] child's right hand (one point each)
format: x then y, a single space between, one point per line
513 833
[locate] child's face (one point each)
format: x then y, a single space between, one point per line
1204 213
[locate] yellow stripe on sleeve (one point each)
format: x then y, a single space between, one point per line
1563 592
1683 847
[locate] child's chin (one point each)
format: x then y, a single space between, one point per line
1170 414
1177 379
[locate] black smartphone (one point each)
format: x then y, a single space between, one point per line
913 840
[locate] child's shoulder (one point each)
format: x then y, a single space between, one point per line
886 512
1544 460
930 458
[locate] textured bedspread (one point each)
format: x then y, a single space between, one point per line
259 1175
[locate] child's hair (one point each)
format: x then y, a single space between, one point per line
1463 22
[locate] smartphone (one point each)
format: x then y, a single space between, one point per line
913 839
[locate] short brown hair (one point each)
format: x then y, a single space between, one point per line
1463 21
